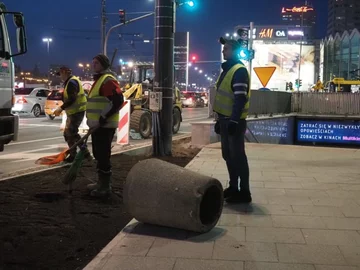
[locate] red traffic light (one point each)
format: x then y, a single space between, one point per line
193 58
122 16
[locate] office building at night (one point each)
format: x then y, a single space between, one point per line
343 15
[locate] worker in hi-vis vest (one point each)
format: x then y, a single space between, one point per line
104 102
74 105
231 106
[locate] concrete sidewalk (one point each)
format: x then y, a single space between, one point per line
305 215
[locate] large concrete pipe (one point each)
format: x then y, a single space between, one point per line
160 193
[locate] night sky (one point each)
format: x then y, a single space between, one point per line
74 26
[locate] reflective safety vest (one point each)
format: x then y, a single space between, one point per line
99 105
80 104
224 98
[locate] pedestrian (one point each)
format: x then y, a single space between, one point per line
74 105
104 102
231 106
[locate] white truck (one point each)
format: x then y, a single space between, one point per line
9 123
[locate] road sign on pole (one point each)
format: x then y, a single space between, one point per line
264 74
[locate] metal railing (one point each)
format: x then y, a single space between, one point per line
278 103
269 102
326 103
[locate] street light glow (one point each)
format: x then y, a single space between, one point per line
47 39
191 3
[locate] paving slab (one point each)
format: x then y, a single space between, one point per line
305 215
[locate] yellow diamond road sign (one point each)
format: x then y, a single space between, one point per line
264 74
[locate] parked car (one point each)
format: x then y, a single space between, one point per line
53 101
192 100
206 99
30 100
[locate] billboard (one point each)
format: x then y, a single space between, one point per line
328 132
285 57
275 130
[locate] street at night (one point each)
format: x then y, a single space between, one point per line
180 135
41 137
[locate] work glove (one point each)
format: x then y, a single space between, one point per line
232 127
58 111
217 127
102 121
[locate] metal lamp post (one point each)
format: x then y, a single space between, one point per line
48 41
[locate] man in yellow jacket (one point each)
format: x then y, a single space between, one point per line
231 105
104 102
74 104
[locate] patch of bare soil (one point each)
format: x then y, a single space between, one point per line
42 226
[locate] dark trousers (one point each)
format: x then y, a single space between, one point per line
101 147
233 152
71 131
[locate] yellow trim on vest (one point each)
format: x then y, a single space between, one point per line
224 98
80 104
99 105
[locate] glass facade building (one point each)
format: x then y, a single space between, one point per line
339 56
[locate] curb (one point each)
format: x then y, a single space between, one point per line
142 149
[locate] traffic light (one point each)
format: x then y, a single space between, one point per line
243 34
193 58
122 16
287 86
300 83
243 39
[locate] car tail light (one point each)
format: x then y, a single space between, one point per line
21 100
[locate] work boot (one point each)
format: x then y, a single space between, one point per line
228 192
240 197
104 185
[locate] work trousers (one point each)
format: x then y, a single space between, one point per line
101 147
233 152
71 131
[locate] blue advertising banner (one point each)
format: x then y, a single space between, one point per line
271 130
335 132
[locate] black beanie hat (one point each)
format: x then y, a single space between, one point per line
104 61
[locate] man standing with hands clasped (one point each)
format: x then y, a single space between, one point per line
231 105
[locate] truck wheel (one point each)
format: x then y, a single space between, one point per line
176 120
36 110
140 121
50 117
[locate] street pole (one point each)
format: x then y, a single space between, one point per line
301 42
187 58
164 72
251 42
103 24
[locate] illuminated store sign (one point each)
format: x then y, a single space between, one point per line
272 33
297 9
295 33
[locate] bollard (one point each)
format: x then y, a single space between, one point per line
161 193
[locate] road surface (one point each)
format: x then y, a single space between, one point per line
40 137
